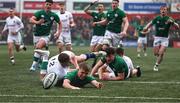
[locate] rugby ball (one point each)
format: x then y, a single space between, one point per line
50 80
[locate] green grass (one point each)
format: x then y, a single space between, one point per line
17 84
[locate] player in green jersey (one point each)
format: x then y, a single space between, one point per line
98 30
43 21
162 25
142 39
79 78
115 18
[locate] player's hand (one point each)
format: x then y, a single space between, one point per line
72 25
122 34
100 85
14 33
41 21
56 35
94 24
94 2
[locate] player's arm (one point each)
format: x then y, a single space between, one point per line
72 23
102 22
120 76
96 67
58 29
96 84
101 71
147 26
145 32
125 26
66 84
74 62
20 25
86 10
176 25
34 20
5 28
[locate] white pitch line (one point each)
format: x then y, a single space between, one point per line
147 82
102 97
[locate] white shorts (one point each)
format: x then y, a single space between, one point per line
45 38
96 40
113 38
142 40
55 66
163 41
65 38
17 39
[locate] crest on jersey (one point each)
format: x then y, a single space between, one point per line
158 22
52 18
96 17
42 16
116 15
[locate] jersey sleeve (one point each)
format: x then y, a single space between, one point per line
154 20
90 78
37 14
56 18
122 14
70 75
70 17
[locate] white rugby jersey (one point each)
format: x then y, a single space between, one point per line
65 20
13 24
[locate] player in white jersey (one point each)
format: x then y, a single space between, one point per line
13 26
67 22
61 62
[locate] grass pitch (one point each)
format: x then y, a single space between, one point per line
17 84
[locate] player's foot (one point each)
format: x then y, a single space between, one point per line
42 52
138 71
12 62
24 48
145 54
33 68
138 56
155 68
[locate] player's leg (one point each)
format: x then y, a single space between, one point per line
10 52
144 49
18 43
60 42
139 46
10 44
41 43
67 41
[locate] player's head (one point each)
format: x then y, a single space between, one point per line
48 4
100 7
62 7
115 4
110 54
83 70
64 59
163 10
11 12
120 51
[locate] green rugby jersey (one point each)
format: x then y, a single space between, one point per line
162 25
118 65
139 30
44 29
98 30
76 81
115 18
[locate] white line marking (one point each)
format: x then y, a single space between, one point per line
147 82
102 97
